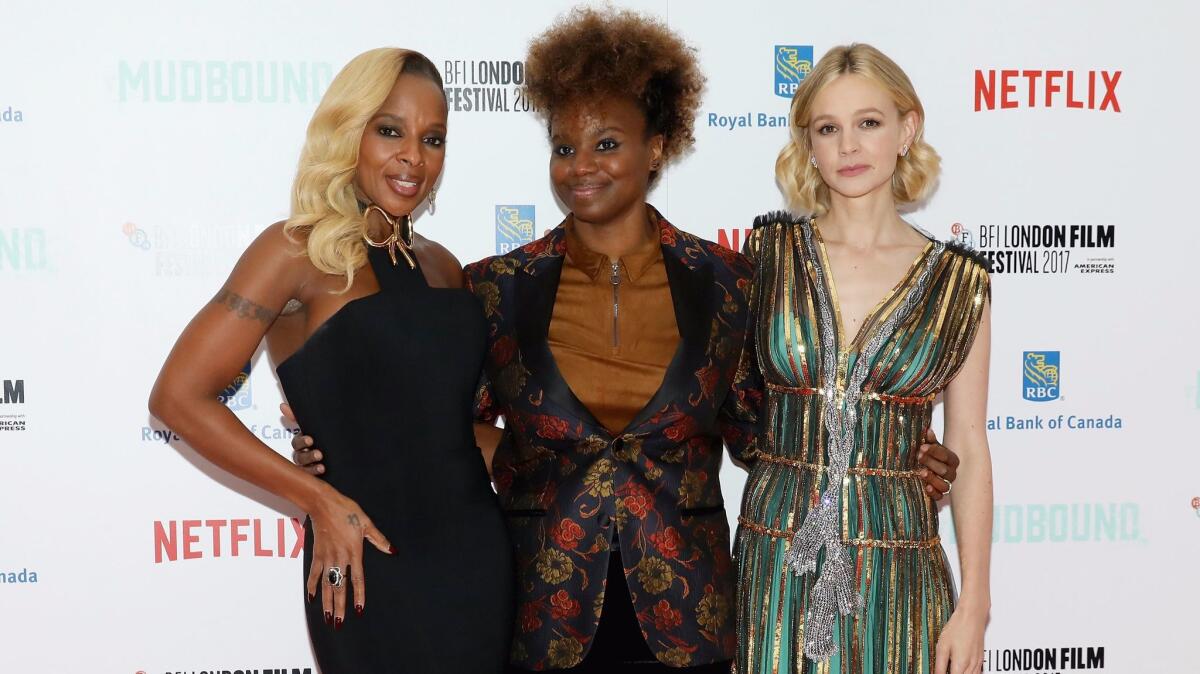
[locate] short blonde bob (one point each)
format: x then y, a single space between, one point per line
325 213
916 173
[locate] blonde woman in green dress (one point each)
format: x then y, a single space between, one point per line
861 321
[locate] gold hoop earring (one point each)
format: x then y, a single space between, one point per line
400 239
432 208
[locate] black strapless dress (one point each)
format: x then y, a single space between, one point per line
386 387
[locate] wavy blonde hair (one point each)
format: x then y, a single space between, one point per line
325 213
916 173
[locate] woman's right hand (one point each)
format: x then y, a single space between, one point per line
303 453
339 527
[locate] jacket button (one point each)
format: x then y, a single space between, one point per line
604 520
618 444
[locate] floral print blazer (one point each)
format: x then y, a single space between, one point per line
564 481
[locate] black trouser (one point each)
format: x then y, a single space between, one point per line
618 647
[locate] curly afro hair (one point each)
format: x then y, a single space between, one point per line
593 53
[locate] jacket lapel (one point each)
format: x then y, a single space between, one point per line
691 282
537 286
690 277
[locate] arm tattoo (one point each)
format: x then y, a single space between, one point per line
243 307
353 519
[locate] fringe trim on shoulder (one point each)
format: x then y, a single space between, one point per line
970 253
777 217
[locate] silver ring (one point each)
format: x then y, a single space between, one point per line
949 486
335 577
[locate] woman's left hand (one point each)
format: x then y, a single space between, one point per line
960 647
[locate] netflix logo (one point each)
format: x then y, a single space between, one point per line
199 539
1007 89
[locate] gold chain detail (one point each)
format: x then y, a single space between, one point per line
840 393
853 470
856 542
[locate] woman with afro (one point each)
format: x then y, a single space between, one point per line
614 351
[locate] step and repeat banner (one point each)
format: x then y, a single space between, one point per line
144 144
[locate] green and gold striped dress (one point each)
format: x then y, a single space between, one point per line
840 568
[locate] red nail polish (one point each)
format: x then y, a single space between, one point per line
337 623
391 549
358 610
328 618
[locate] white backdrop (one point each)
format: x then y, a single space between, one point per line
143 145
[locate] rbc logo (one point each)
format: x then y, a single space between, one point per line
792 64
1040 380
514 227
237 395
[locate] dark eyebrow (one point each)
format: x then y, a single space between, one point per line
400 120
557 138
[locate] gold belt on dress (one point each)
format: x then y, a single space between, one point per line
853 470
857 542
866 395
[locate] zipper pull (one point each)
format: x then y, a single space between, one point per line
616 284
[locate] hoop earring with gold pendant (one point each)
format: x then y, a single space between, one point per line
401 239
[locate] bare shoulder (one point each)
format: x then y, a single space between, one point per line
279 251
275 259
441 268
276 241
